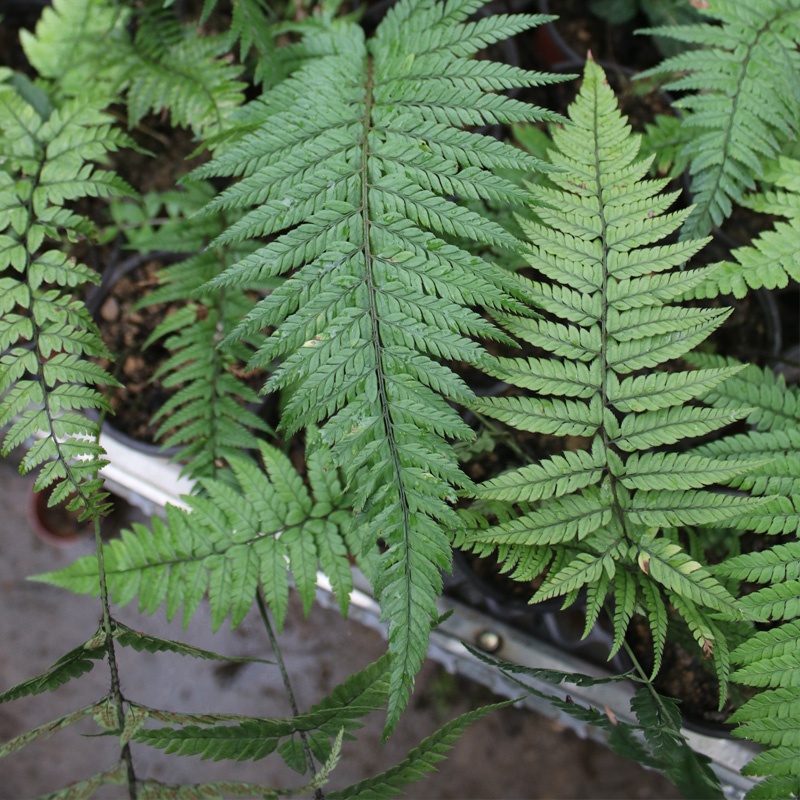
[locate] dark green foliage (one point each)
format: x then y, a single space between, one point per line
253 739
355 190
657 741
420 760
742 104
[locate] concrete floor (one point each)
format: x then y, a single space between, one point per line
509 754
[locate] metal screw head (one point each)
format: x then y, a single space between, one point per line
489 641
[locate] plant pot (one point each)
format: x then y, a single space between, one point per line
55 524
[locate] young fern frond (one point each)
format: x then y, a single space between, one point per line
355 192
45 334
231 541
743 104
207 417
606 513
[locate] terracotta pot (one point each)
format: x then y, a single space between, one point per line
55 524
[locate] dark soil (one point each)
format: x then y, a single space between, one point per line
125 332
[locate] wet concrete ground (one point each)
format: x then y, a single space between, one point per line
509 754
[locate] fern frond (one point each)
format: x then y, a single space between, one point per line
769 659
355 191
657 741
207 417
45 333
420 760
71 665
77 43
742 104
254 738
231 541
169 65
607 314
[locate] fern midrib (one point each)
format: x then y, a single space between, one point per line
604 401
376 334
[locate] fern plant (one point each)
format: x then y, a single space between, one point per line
211 416
607 517
344 231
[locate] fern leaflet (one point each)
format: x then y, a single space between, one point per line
234 539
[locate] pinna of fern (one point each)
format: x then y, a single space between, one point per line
770 261
50 157
354 192
234 537
606 517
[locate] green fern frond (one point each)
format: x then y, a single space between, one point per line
234 539
742 104
169 65
769 659
420 760
355 191
771 260
331 720
607 314
657 741
163 65
77 43
207 418
71 665
44 332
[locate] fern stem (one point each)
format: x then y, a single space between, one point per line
116 690
645 679
287 685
